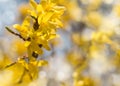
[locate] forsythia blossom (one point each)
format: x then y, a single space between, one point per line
38 28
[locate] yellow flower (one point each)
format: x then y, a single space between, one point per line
24 29
116 9
73 12
46 19
101 37
37 42
92 4
48 14
37 30
23 10
94 19
32 66
86 81
18 48
27 63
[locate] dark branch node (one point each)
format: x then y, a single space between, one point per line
35 55
40 45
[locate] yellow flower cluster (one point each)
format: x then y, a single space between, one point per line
40 26
36 30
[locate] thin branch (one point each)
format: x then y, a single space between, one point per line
21 78
15 33
31 78
33 17
10 65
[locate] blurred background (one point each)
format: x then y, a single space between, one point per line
9 12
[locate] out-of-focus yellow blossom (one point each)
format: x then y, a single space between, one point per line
104 38
5 78
86 81
94 50
64 84
75 58
23 10
17 71
73 12
101 37
24 71
18 47
78 39
94 19
55 42
4 61
116 9
79 64
92 4
116 58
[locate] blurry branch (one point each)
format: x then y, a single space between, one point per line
10 65
14 33
33 17
21 78
23 74
31 78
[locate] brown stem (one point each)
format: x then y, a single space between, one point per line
10 65
15 33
